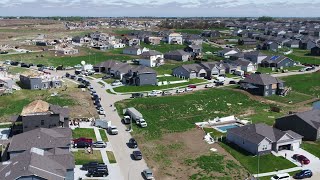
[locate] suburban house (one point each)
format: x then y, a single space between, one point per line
307 44
227 52
151 58
195 50
213 68
268 45
37 81
305 123
262 84
175 38
245 65
292 44
190 71
107 66
255 56
277 62
152 40
315 51
37 164
134 50
140 76
259 139
178 55
247 41
193 39
210 33
40 114
81 40
66 51
6 85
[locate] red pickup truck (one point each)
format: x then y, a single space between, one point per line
82 139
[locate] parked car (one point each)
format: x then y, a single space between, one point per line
137 155
310 68
188 89
99 166
40 65
147 173
192 86
303 174
25 65
301 158
166 93
136 95
219 83
106 77
98 173
113 130
157 91
81 144
232 82
142 123
284 176
14 63
81 86
116 83
99 144
152 94
133 143
51 68
180 91
101 111
209 86
91 165
82 139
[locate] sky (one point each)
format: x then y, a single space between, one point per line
161 8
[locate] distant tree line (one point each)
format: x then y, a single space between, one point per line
265 18
190 24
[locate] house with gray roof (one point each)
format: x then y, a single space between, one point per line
258 139
38 164
190 71
255 56
213 68
140 76
277 62
306 123
178 55
245 65
262 85
134 50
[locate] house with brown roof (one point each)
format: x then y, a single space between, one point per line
40 114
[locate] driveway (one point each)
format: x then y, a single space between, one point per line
314 161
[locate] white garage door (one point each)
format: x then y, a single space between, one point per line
295 146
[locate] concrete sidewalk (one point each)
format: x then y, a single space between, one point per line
278 172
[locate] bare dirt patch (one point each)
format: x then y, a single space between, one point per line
167 157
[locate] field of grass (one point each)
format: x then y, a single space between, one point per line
17 70
168 78
82 157
212 164
312 147
84 132
179 113
304 58
305 83
124 89
103 135
163 47
13 104
111 157
267 163
292 98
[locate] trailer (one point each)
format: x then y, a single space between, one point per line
135 115
102 123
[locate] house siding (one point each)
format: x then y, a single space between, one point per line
285 63
33 122
181 72
244 144
147 79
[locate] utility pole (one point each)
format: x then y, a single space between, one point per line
258 166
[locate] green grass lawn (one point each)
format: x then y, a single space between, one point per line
111 157
303 56
124 89
17 70
267 163
163 47
98 75
5 126
103 134
312 147
84 132
179 113
168 78
292 98
304 83
82 157
189 31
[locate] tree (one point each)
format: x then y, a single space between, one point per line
265 18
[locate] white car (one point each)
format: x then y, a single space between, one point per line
152 94
142 123
51 68
157 91
284 176
189 89
180 91
166 93
209 86
113 130
116 83
101 111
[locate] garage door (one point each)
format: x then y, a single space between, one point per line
295 146
284 147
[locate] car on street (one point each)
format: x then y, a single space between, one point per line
166 93
136 95
310 68
303 174
91 164
98 173
180 91
81 86
301 158
209 85
101 111
137 155
232 82
133 143
219 83
188 89
99 144
152 94
116 83
113 130
147 173
157 91
192 86
51 68
284 176
81 144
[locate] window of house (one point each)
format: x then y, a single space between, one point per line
42 122
36 86
266 87
264 147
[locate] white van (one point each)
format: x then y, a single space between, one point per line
284 176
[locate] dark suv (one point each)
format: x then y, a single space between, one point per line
81 144
137 95
91 165
133 143
98 172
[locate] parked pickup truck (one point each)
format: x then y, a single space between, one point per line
142 123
